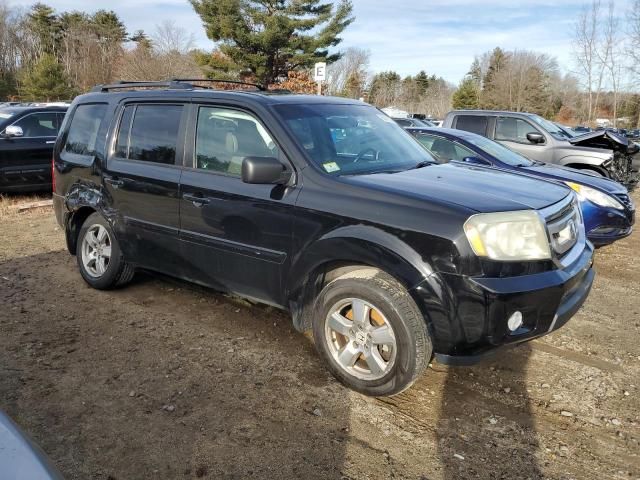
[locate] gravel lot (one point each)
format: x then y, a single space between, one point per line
165 380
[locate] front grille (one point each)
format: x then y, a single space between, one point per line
564 227
625 200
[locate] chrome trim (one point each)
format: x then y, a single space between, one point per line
549 216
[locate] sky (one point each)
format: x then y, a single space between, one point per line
438 36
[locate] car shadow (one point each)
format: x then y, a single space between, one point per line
159 380
486 427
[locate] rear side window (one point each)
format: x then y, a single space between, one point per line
472 123
83 131
149 133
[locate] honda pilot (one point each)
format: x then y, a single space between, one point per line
325 208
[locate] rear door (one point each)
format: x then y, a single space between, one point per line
236 237
142 178
25 162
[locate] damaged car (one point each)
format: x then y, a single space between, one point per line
602 153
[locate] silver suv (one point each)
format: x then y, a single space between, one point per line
600 152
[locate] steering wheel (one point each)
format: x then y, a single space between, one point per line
364 152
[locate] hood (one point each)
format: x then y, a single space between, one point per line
558 172
605 139
475 188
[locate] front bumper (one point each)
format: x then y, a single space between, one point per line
476 319
606 225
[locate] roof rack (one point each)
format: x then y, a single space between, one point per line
175 83
216 80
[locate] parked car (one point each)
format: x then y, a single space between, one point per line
607 208
20 457
601 152
412 122
581 129
323 207
633 133
27 136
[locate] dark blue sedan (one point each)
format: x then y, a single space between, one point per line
608 211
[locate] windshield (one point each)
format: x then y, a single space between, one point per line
550 127
498 151
352 139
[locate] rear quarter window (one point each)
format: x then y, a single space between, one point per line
472 123
83 129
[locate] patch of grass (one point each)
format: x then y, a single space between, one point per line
9 202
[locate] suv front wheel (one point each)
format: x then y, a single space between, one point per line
371 333
99 256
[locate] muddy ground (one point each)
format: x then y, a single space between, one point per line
162 380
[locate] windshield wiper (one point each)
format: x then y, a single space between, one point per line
424 163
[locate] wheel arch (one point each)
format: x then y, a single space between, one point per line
345 250
81 201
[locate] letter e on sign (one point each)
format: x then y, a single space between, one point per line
320 72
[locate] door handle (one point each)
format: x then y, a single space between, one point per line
49 142
114 182
197 199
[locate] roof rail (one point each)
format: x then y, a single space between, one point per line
127 84
217 80
175 83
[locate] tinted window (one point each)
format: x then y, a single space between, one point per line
443 149
151 135
472 123
498 151
513 129
39 124
224 137
352 139
83 131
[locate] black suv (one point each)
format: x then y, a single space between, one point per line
27 136
323 207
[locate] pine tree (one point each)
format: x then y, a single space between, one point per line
46 81
466 97
268 39
44 23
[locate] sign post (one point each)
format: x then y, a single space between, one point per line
320 75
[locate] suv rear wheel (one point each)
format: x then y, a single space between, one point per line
370 332
99 256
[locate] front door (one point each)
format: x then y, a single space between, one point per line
25 162
142 178
236 237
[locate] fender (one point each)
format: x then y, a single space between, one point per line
82 199
585 159
360 244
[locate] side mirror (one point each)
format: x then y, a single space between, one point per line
13 131
535 137
476 161
264 170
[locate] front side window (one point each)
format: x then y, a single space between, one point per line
225 137
83 131
149 133
443 149
42 124
352 139
513 129
498 151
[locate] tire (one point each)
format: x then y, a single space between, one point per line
373 360
99 256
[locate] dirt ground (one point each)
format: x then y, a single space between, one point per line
162 380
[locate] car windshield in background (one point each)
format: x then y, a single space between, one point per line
499 151
352 139
550 127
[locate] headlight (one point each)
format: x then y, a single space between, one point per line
508 236
595 196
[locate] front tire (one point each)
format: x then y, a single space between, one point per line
99 256
371 333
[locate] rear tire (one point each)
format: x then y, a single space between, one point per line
371 333
99 256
